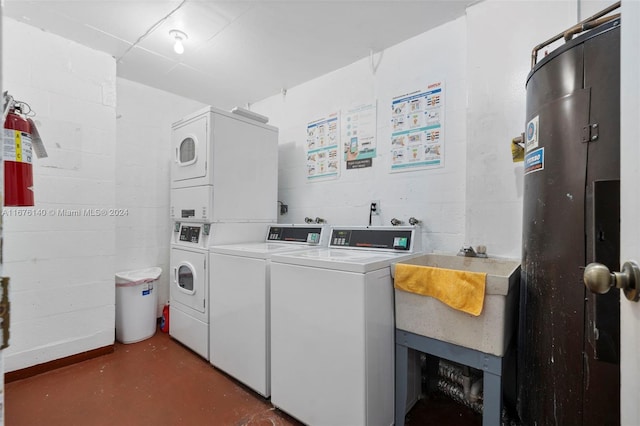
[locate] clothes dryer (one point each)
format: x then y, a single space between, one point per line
239 299
225 168
332 327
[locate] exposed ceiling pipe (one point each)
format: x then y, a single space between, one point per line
583 25
577 29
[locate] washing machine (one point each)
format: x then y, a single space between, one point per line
239 335
189 287
332 327
189 280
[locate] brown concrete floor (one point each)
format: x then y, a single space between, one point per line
153 382
160 382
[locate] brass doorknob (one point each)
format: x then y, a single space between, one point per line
599 279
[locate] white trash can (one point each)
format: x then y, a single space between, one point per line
136 304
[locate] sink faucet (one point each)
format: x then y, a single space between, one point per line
468 251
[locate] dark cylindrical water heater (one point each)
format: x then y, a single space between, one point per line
569 339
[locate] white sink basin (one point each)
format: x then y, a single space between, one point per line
491 331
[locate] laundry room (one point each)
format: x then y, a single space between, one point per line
406 143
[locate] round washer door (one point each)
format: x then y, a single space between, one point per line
188 281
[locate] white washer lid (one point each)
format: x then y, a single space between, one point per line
258 250
347 260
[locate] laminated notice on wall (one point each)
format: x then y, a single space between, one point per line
359 136
323 142
417 129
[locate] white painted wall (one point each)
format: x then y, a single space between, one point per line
436 196
142 171
630 206
498 65
62 267
476 198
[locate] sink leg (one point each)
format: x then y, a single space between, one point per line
402 366
492 408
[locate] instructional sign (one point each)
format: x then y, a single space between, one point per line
417 133
323 144
359 136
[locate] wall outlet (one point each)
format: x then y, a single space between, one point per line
375 207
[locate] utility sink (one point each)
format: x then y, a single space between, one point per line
491 331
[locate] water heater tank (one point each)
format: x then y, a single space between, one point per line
569 339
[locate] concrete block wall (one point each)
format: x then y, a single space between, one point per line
476 198
61 261
436 196
142 172
498 65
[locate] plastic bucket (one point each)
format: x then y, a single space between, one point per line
136 304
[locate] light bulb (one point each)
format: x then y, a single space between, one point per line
179 37
178 47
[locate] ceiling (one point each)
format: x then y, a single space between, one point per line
237 52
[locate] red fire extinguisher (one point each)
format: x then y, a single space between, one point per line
164 322
18 158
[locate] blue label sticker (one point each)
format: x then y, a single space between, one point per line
534 161
146 292
532 134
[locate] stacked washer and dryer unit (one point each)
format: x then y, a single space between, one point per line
224 183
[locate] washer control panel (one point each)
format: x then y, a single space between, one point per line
296 234
191 234
387 239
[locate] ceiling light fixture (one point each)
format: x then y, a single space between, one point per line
179 37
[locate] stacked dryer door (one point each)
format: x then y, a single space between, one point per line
223 190
191 192
240 330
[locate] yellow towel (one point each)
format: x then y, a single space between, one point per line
461 290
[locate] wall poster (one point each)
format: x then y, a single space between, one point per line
359 136
323 142
417 127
